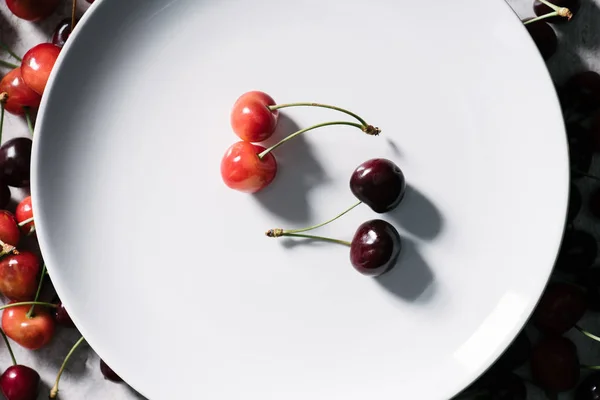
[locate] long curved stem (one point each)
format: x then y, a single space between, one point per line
301 131
306 104
10 351
8 64
28 119
2 101
10 52
567 14
28 303
54 390
281 232
39 289
325 239
588 334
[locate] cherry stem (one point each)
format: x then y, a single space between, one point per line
28 220
325 239
10 350
588 334
10 52
28 119
37 294
3 98
7 248
54 390
73 12
310 128
350 113
28 303
562 12
590 367
8 64
280 232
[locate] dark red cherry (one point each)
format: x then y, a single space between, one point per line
375 247
62 32
15 160
555 364
574 203
19 94
32 10
62 317
19 382
109 373
589 388
544 37
379 183
559 309
541 9
578 251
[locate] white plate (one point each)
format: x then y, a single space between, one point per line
167 272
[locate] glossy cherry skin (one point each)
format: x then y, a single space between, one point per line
62 317
242 170
544 37
559 309
15 162
589 388
32 10
578 251
109 373
379 183
19 94
9 230
23 213
375 247
62 32
37 65
555 364
32 333
19 382
19 275
541 9
251 119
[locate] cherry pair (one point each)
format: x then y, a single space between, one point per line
376 245
249 167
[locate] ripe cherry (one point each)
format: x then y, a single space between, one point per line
62 32
37 65
19 94
589 388
242 168
251 119
544 37
109 373
541 9
375 247
9 231
24 213
578 251
32 333
19 382
15 161
32 10
379 183
559 309
19 275
62 317
555 364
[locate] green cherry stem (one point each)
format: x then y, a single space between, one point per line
73 13
39 289
310 128
350 113
563 12
28 303
26 221
8 64
590 367
586 333
28 119
283 232
3 99
10 52
325 239
54 390
10 350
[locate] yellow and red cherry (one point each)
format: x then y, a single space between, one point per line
19 275
20 96
37 65
32 332
251 118
243 169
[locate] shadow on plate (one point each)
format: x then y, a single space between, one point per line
418 215
298 172
411 279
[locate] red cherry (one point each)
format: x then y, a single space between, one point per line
19 94
243 170
9 230
19 382
23 213
32 333
32 10
37 65
62 317
559 309
251 119
555 364
19 274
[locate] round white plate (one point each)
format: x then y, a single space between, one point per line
167 272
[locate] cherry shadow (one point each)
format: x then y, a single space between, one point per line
411 279
44 390
298 173
54 354
418 215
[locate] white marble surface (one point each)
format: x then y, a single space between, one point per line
82 380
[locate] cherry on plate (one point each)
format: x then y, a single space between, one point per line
32 10
15 162
251 119
379 183
19 94
243 170
32 333
559 308
37 65
375 248
555 364
19 382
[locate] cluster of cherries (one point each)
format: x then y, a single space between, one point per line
26 320
378 183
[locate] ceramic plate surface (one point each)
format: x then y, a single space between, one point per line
168 273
